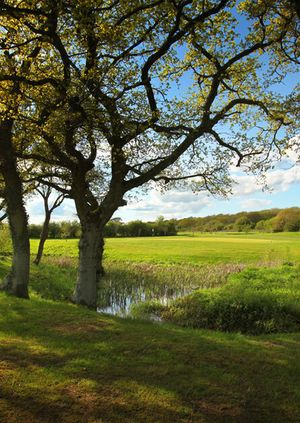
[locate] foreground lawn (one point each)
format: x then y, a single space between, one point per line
62 363
187 249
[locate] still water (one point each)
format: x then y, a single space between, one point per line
117 300
127 284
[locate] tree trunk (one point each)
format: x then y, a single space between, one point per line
18 279
43 238
90 269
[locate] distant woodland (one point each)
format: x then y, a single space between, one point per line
273 220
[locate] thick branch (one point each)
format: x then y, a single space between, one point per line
174 35
34 83
168 160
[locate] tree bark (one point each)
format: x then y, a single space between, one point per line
90 268
43 238
17 281
93 218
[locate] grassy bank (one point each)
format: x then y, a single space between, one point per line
253 301
64 363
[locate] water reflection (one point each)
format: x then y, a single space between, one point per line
117 300
126 284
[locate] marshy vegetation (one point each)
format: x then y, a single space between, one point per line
254 301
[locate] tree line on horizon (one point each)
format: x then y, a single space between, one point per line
114 228
271 220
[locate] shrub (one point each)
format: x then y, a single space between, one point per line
254 302
253 314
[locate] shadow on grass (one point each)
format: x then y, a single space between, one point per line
63 363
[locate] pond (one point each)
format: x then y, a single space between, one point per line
117 300
126 284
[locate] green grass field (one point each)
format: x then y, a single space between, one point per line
64 363
248 248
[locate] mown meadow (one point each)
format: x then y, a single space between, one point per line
61 362
191 248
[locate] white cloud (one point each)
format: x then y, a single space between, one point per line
184 203
252 204
35 210
279 180
65 211
171 204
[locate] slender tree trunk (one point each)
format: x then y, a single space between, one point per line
90 269
43 238
18 279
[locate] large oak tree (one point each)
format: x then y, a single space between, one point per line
125 94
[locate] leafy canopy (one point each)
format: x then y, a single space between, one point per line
112 95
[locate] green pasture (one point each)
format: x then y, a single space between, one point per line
198 249
63 363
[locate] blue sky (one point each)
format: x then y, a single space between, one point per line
248 195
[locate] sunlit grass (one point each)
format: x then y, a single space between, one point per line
200 249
